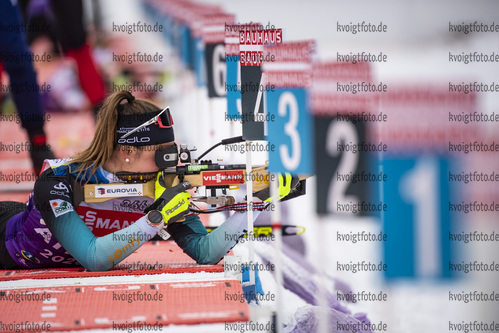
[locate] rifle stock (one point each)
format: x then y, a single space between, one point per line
260 176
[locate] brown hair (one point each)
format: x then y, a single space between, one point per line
104 142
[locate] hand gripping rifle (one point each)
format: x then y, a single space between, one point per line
214 176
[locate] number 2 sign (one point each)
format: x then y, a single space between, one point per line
338 168
341 162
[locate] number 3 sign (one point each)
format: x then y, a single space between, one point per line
289 129
289 126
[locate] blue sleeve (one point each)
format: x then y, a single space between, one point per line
99 253
209 248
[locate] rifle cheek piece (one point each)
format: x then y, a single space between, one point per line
166 157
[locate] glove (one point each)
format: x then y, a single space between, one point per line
173 202
286 184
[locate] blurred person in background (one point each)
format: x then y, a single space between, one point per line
70 33
24 87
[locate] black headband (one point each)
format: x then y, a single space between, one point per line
149 135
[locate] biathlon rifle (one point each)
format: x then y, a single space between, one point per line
214 176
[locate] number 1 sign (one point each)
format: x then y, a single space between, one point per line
417 223
419 190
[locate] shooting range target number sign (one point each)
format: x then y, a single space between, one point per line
338 167
418 220
290 130
216 69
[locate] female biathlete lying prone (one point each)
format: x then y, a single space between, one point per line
55 228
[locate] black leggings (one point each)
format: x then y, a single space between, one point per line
7 210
